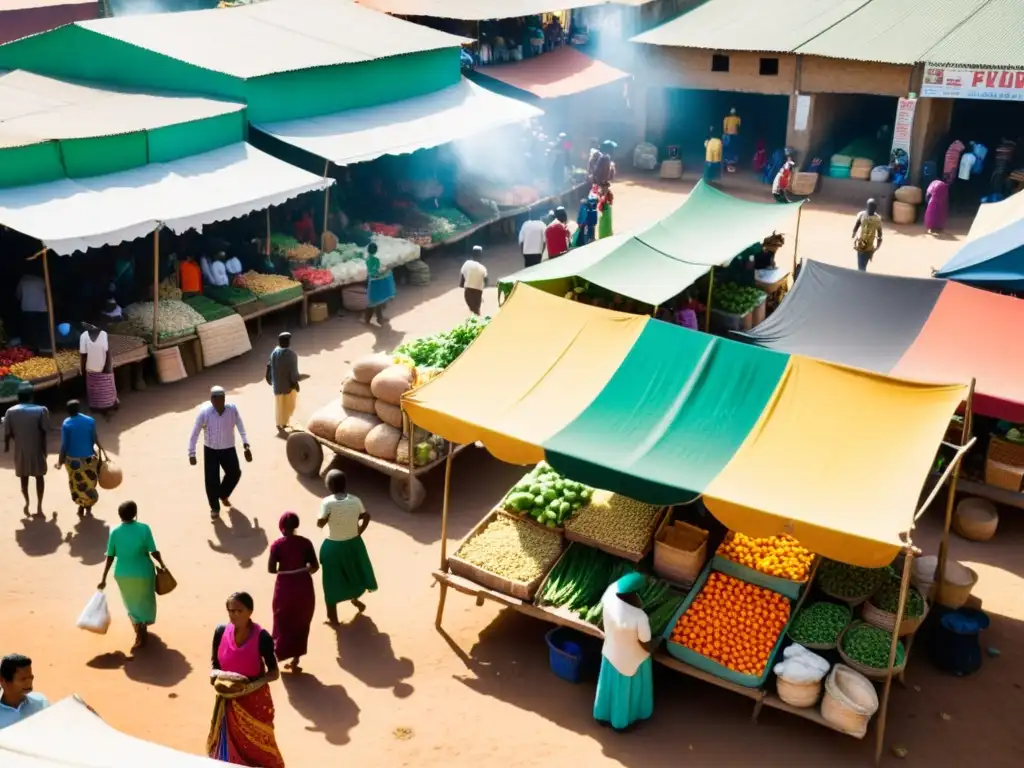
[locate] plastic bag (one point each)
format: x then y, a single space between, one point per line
96 616
806 657
795 670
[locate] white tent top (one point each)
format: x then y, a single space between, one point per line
35 108
402 127
68 735
72 215
276 36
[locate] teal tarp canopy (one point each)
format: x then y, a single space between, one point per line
992 256
708 230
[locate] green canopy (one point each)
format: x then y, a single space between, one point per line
708 230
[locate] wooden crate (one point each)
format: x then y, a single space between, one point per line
1004 464
679 564
634 557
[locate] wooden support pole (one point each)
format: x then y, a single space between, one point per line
49 310
940 566
443 594
883 711
796 239
156 287
266 246
327 202
707 309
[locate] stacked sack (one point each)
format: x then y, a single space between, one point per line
372 396
419 272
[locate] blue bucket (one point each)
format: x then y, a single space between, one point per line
566 656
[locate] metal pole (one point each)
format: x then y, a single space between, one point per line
49 311
900 608
266 246
327 202
156 286
940 566
707 309
796 238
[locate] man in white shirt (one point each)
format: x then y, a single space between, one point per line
218 420
215 271
967 161
31 293
531 239
474 280
18 700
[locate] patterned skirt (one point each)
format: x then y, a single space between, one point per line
242 731
100 390
83 474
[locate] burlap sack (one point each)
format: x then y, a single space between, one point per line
388 413
352 432
352 387
382 442
366 368
390 384
324 423
357 403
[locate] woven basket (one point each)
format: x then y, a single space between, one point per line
169 365
822 646
976 519
798 694
354 298
957 586
671 169
223 339
849 701
904 213
874 615
872 673
908 194
850 601
860 172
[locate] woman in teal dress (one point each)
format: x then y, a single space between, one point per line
625 689
380 286
344 563
131 546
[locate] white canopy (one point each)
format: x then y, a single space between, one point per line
402 127
68 735
72 215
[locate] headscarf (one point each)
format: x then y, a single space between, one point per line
289 520
630 583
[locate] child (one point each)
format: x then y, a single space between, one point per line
474 280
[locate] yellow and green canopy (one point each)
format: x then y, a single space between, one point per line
708 230
775 443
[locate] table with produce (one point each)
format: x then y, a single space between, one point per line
731 304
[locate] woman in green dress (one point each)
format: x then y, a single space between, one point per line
131 546
625 691
344 562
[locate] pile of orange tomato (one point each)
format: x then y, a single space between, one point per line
733 623
780 556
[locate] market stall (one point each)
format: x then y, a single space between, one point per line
366 423
658 414
921 329
992 256
655 266
84 740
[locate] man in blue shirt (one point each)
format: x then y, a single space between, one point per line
18 701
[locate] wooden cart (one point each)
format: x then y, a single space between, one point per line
306 455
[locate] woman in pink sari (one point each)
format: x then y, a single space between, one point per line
936 210
242 730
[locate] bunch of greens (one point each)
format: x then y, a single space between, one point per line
849 581
819 624
281 244
735 299
441 349
887 598
870 645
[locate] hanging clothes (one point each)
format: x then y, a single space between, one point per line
951 164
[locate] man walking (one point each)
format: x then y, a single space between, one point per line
867 234
27 424
473 280
556 234
283 376
218 420
531 239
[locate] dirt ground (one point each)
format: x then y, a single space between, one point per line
385 688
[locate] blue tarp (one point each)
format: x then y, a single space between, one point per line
992 256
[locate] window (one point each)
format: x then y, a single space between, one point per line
719 62
769 67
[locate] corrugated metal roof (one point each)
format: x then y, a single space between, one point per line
991 37
475 10
892 31
34 108
277 36
751 25
22 5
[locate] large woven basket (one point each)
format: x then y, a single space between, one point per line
957 586
169 365
798 694
872 614
908 194
904 213
872 673
223 339
849 701
976 519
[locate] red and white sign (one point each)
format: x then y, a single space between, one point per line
956 83
904 125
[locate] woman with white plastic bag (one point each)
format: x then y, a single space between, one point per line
96 616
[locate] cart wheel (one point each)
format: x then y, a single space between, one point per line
407 492
305 454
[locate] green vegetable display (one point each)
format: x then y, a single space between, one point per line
735 299
887 598
819 624
441 349
583 574
849 581
869 646
546 496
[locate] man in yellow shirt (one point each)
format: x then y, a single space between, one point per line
731 139
731 123
712 156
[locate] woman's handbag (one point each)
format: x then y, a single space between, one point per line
165 582
110 475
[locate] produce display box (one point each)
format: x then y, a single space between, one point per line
791 589
727 321
521 590
633 557
676 565
705 664
526 516
281 297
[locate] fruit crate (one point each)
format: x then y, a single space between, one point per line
788 587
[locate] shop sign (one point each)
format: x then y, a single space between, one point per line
957 83
904 125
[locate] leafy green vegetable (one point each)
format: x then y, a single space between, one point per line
849 581
870 646
819 624
887 598
545 496
735 299
441 349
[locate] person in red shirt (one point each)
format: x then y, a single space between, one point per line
556 236
303 228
